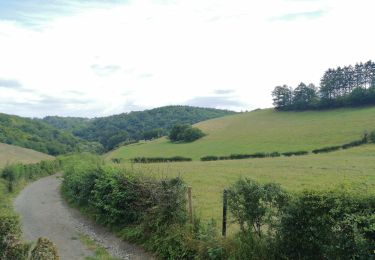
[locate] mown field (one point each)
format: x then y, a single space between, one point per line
263 131
14 154
352 169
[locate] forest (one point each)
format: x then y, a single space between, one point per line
114 130
347 86
41 137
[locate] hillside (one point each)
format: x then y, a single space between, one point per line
15 154
39 136
112 130
263 131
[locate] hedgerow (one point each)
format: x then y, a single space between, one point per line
160 159
11 244
327 149
273 224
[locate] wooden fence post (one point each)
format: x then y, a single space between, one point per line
225 203
190 205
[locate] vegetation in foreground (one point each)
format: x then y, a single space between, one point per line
264 131
12 179
351 170
274 224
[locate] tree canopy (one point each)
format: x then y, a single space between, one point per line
340 87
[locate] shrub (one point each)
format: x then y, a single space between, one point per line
160 159
15 172
275 154
328 226
326 149
354 144
254 205
44 250
297 153
372 137
119 199
185 133
210 158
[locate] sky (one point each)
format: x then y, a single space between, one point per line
97 58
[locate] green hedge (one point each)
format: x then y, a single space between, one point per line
15 172
296 153
11 244
160 159
274 224
354 144
326 149
308 225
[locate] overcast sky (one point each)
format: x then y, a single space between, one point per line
96 58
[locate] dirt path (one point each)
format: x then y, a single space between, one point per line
44 213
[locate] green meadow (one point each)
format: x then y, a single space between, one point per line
262 131
352 170
14 154
266 131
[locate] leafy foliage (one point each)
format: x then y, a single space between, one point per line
40 136
160 159
11 244
15 172
185 133
328 226
346 86
255 206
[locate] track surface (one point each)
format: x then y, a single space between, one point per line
45 214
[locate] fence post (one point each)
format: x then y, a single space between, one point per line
190 205
225 203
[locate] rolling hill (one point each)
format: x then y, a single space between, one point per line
263 131
14 154
39 136
113 130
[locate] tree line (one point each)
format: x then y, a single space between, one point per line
340 87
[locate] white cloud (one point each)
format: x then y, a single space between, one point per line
170 52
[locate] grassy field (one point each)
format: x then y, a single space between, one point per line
352 169
12 154
263 131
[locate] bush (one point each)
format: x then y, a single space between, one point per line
160 159
210 158
275 154
372 137
44 250
15 172
254 205
297 153
328 226
326 149
354 144
185 133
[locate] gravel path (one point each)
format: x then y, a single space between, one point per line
45 214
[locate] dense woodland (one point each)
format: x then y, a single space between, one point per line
60 135
340 87
42 137
114 130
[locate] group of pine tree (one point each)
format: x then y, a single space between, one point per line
340 87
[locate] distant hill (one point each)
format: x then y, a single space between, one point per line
39 136
112 130
70 124
15 154
263 131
